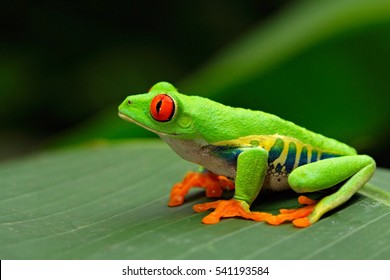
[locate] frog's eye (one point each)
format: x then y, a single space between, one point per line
162 108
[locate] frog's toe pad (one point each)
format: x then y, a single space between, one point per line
304 200
176 200
227 209
177 194
301 222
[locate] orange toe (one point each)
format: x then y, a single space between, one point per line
175 200
304 200
178 192
213 184
205 206
301 222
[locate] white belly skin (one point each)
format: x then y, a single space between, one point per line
201 153
275 181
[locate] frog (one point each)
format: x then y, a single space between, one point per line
248 152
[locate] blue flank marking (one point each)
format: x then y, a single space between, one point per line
290 159
303 157
279 168
314 155
229 154
275 151
327 155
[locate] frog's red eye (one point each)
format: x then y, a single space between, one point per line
162 108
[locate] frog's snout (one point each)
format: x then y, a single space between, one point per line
123 107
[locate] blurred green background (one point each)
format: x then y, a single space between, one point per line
65 66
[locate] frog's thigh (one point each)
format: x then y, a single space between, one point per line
329 172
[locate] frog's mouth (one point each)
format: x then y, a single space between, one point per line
126 118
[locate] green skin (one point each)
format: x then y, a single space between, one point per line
241 145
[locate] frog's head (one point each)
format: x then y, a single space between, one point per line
160 110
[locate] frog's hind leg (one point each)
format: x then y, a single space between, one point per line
213 184
327 173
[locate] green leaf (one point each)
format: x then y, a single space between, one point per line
109 202
293 31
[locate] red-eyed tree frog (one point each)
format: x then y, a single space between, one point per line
248 151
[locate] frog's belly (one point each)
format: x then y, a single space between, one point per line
275 181
202 154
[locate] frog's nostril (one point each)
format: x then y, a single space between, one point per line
129 102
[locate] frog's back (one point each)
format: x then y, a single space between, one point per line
243 127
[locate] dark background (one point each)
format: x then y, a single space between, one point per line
66 65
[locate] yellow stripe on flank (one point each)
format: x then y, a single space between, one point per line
267 142
309 150
283 156
297 154
264 141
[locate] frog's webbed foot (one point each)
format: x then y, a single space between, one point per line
214 185
227 209
297 216
236 208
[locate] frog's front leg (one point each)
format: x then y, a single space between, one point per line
327 173
213 184
251 170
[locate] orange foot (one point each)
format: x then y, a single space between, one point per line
235 208
297 216
227 209
214 185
